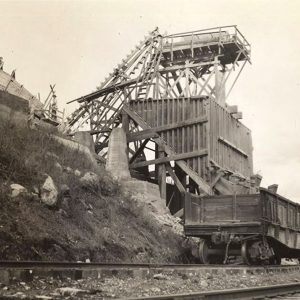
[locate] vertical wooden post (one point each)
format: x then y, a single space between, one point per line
162 175
219 84
156 166
182 177
125 126
125 122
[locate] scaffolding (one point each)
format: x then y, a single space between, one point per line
168 91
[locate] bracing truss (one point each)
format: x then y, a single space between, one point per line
166 94
191 64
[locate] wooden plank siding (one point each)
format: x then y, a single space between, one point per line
282 217
226 139
222 209
230 141
278 217
190 137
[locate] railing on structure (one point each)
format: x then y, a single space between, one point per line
140 75
214 35
53 115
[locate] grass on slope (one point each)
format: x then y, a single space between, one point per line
98 223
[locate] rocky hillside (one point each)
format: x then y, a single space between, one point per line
57 205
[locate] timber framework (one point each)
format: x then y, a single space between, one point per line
169 94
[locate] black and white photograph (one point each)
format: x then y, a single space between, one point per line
150 149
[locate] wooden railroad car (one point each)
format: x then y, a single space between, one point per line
262 227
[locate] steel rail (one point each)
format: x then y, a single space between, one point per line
83 265
245 293
180 34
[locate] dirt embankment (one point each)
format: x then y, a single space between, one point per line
96 222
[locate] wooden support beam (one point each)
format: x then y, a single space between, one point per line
141 135
101 146
172 157
150 149
201 119
177 80
175 178
125 122
189 65
101 104
156 157
216 179
130 151
204 186
181 175
139 151
92 132
162 174
198 180
152 133
226 142
106 90
179 214
225 187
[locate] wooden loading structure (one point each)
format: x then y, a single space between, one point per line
169 96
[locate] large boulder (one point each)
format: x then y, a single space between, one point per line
17 189
49 192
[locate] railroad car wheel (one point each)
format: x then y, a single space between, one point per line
216 260
245 253
204 247
275 260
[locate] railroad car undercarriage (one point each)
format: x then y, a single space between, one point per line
253 249
260 228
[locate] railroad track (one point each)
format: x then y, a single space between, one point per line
88 265
289 291
283 292
26 270
82 265
79 270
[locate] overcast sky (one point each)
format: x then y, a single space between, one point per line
75 44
